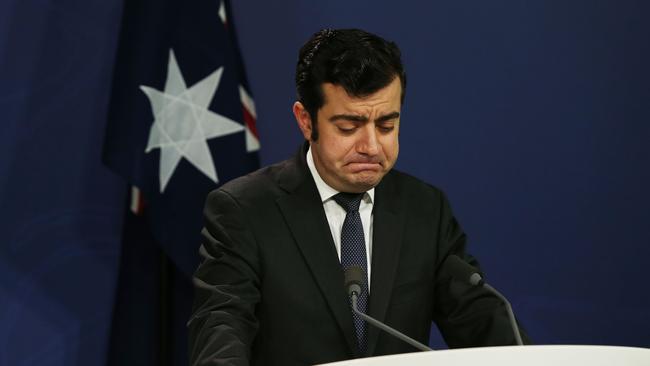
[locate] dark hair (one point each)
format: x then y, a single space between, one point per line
360 62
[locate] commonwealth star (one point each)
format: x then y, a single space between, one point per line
183 123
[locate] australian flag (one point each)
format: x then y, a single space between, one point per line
181 123
182 119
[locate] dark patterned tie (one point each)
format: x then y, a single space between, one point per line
353 253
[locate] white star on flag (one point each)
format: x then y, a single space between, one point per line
183 123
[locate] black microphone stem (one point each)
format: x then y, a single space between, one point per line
386 328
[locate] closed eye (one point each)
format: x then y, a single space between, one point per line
346 129
386 129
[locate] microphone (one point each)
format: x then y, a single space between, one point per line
354 278
465 272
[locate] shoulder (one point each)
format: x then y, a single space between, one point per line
259 186
410 187
406 192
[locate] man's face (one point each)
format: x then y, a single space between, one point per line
357 137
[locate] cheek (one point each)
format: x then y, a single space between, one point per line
338 148
334 150
391 147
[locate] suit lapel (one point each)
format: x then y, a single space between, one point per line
305 217
388 224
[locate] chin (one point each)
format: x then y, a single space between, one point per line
366 182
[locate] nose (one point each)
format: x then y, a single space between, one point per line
368 143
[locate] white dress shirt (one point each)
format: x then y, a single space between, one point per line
336 214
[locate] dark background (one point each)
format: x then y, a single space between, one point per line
534 117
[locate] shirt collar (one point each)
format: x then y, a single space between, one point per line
324 190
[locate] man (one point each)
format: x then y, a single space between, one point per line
276 243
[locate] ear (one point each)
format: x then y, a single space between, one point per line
304 120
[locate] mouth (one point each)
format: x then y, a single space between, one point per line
356 167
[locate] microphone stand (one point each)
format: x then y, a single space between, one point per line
386 328
511 314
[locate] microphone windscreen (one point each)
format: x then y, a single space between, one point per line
354 275
462 271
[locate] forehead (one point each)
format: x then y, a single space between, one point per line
389 97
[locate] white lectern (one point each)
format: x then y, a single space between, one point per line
515 356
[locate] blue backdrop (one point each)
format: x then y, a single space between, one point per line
533 116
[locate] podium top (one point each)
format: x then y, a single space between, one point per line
557 355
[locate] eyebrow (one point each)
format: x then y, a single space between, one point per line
357 118
388 117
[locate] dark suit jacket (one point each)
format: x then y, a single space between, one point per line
270 288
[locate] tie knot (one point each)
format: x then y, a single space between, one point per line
349 201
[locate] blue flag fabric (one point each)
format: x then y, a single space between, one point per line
181 118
